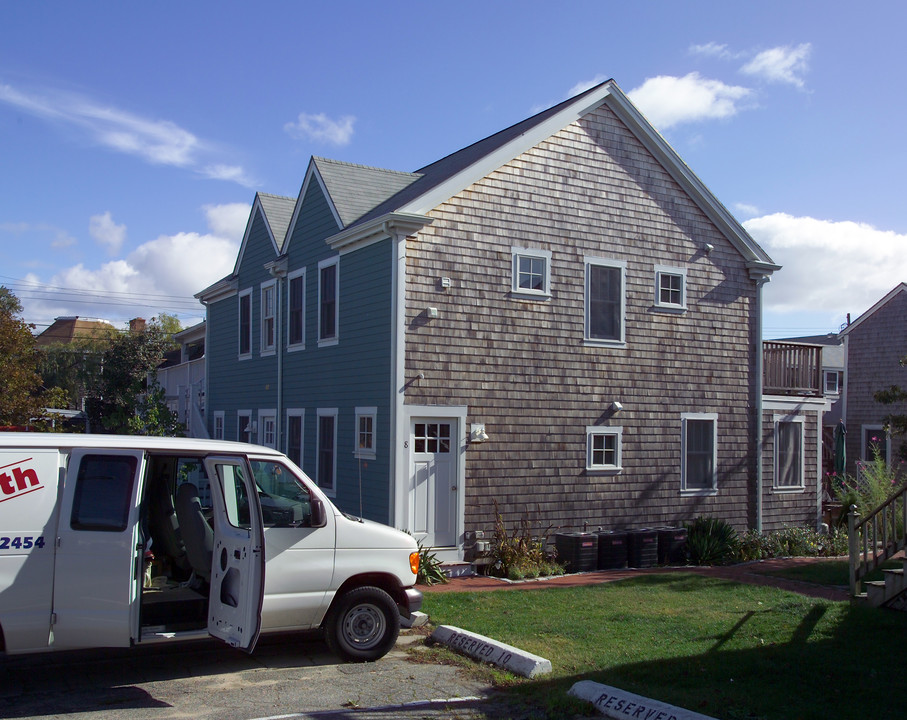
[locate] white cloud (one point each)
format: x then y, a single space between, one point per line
103 229
746 209
321 128
160 275
667 101
711 49
780 64
837 267
160 142
585 85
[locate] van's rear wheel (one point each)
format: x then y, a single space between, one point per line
363 624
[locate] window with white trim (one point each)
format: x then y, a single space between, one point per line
832 382
219 425
605 301
366 418
295 429
604 447
670 288
789 453
328 301
326 459
531 276
699 453
267 428
244 426
268 319
245 324
296 310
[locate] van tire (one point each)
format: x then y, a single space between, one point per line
362 624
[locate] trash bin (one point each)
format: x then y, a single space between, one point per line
612 550
642 548
672 546
577 551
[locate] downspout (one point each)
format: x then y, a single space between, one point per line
760 281
396 500
278 270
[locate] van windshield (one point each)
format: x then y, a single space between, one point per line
285 501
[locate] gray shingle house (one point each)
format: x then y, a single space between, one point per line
559 318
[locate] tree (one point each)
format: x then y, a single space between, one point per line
125 398
170 324
19 379
895 423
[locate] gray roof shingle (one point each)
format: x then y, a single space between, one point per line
356 189
278 212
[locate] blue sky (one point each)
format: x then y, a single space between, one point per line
133 138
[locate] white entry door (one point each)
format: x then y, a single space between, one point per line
433 481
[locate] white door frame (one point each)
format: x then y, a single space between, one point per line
456 415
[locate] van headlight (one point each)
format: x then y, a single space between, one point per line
414 562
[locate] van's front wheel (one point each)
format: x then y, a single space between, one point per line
363 624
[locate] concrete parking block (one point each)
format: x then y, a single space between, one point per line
619 704
491 651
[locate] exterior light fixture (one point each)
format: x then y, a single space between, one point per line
477 433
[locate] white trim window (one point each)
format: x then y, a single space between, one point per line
244 430
328 301
531 275
789 457
605 301
267 428
244 330
218 424
699 454
296 310
670 288
326 457
604 449
832 381
268 317
295 430
366 421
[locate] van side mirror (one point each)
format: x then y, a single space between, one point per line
319 517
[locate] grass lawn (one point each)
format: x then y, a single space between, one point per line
713 646
829 572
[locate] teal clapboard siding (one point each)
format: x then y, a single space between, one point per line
235 384
355 372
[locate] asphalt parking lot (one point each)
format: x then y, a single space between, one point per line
290 676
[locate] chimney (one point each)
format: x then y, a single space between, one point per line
137 325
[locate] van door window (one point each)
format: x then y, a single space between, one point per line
285 501
235 499
103 492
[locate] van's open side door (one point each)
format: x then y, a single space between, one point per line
238 562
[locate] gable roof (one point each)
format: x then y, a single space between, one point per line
875 308
357 189
70 329
441 180
277 211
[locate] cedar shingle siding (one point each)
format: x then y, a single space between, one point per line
522 367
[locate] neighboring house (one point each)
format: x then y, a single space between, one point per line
70 329
874 345
182 375
559 321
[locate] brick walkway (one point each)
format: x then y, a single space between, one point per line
755 573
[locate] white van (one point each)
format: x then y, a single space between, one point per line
111 541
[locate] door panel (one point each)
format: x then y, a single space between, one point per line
98 556
433 481
237 563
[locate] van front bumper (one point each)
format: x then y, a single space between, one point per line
413 600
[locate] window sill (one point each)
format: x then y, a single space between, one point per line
268 353
365 454
329 342
591 342
524 295
296 348
792 490
699 493
246 356
604 471
670 309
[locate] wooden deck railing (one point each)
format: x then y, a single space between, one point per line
791 369
875 538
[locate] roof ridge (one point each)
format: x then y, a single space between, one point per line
318 158
275 195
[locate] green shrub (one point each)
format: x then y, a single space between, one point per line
792 542
711 541
520 554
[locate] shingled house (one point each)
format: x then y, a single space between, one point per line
559 318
